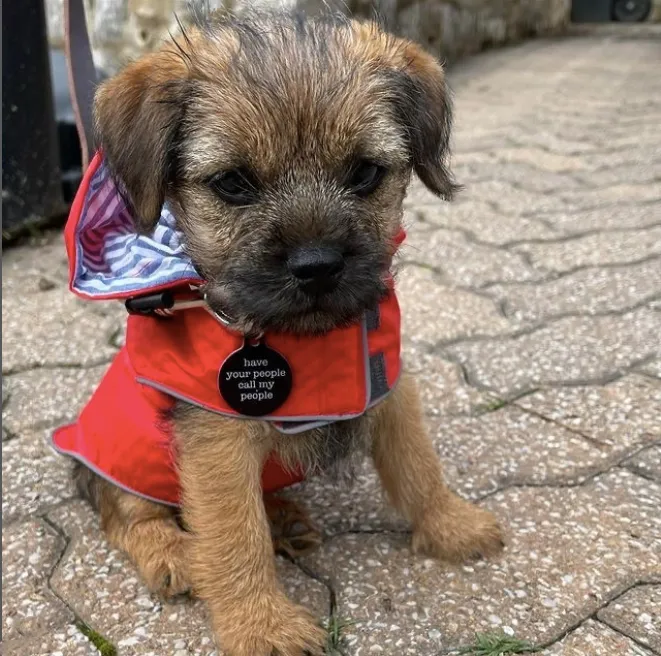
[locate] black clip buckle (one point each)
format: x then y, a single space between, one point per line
148 305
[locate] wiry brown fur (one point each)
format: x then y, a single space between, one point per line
296 103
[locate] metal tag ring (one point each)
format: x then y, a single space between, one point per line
227 321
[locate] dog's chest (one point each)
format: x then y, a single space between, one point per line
332 449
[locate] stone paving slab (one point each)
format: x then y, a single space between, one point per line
646 463
512 198
114 602
443 388
463 262
623 156
531 316
28 490
633 174
602 137
528 155
511 447
595 639
68 641
432 311
625 413
637 613
45 397
604 248
570 350
24 274
479 220
54 329
652 368
615 193
355 505
560 565
595 290
530 178
30 552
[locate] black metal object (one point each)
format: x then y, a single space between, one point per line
605 11
31 179
70 155
592 11
71 160
148 304
631 11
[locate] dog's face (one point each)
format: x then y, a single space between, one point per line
283 147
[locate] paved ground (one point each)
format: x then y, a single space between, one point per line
533 318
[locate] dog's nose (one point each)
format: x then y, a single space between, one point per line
317 268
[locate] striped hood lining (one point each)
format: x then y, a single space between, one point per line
112 258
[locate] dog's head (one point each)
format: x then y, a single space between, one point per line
284 147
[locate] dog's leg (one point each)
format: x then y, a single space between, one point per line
232 562
444 525
147 532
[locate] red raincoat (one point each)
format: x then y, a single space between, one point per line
123 433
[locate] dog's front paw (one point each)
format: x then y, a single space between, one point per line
281 628
457 531
165 571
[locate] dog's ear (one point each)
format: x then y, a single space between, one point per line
424 107
137 114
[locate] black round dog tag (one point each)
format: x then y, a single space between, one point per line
255 380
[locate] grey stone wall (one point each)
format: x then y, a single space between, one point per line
125 29
454 28
121 30
655 14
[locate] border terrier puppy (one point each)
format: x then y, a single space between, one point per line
260 132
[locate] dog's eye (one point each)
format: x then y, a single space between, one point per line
236 187
365 177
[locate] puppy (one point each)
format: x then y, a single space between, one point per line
262 134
